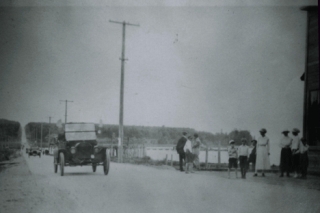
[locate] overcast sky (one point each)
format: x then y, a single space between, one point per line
209 66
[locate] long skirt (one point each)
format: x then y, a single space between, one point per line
296 162
262 161
286 160
189 157
304 163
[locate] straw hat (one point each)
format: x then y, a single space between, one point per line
231 141
263 130
295 130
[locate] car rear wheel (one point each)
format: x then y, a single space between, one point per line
94 167
40 155
106 163
55 166
61 163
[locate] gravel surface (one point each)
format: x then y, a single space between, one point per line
30 185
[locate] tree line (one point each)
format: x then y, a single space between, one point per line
10 131
142 134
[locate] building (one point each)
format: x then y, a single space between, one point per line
311 117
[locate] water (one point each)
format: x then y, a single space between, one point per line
161 153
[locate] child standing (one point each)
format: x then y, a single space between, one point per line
253 154
189 156
233 161
243 151
304 160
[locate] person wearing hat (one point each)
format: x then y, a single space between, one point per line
263 152
233 155
286 155
196 150
243 152
295 151
189 156
253 154
180 145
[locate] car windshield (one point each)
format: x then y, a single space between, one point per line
80 131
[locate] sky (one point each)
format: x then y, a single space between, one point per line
209 65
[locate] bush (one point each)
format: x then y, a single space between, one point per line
6 154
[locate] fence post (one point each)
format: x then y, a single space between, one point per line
143 151
166 159
219 154
171 160
207 157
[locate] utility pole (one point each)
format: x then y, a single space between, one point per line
120 150
49 130
65 118
41 136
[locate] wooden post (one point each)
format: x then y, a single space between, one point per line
219 154
166 159
207 152
143 151
171 159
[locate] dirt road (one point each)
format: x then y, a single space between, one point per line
32 186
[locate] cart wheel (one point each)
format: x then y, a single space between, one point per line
55 166
94 167
61 163
106 163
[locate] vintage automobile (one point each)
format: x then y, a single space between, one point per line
45 151
34 151
78 146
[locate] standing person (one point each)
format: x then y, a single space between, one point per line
295 151
196 150
286 154
304 160
253 154
263 152
189 156
233 161
182 157
243 152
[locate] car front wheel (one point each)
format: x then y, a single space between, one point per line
106 163
61 163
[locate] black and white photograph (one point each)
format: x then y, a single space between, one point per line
152 106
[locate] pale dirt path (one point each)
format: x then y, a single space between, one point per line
134 188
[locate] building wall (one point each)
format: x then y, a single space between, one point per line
312 94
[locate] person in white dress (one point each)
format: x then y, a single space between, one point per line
189 156
263 152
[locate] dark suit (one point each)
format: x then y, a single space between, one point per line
182 156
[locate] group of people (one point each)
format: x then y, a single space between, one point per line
294 155
188 148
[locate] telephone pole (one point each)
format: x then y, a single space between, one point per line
49 130
41 135
65 118
120 152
